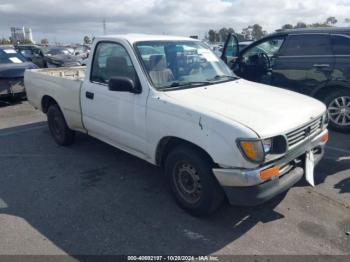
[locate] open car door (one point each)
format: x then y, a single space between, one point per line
230 51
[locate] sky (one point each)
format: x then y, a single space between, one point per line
69 21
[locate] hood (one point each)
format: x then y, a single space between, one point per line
15 70
267 110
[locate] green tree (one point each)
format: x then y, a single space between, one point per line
257 32
240 37
300 25
26 42
223 33
287 27
331 20
5 41
253 32
247 33
212 35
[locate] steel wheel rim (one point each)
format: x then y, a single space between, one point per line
187 182
339 110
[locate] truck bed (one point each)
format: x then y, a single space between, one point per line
72 73
61 84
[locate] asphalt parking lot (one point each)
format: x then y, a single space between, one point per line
91 198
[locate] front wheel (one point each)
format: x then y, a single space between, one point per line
60 132
189 172
338 107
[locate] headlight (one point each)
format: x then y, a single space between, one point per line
259 151
253 150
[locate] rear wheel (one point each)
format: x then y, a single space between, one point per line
58 127
189 172
338 107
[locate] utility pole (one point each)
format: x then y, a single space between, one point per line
104 26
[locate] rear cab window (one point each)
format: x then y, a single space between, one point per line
307 45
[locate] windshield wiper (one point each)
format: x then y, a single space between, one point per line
220 77
185 84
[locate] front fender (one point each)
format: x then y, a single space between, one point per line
213 134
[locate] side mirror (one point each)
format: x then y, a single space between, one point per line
124 84
77 53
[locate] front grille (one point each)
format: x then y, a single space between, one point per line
300 134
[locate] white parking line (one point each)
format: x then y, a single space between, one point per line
21 130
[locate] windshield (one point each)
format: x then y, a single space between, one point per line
58 51
174 64
10 56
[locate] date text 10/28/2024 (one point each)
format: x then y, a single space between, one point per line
172 258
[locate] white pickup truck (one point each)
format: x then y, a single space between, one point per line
172 102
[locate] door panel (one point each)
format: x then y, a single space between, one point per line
115 117
302 74
305 63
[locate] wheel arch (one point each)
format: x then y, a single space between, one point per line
321 93
46 102
168 143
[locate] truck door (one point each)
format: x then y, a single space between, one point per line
115 117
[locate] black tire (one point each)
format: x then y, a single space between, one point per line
329 100
61 133
207 195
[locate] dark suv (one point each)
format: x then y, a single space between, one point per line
315 62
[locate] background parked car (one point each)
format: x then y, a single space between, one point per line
61 57
12 67
33 54
315 62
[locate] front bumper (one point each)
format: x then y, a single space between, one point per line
245 187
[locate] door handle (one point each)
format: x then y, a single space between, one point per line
321 65
89 95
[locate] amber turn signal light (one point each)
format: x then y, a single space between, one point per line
325 137
270 172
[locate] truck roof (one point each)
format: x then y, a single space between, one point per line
133 38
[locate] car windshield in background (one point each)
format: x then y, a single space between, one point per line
58 51
10 56
173 64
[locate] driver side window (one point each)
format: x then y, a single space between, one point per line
111 60
269 48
